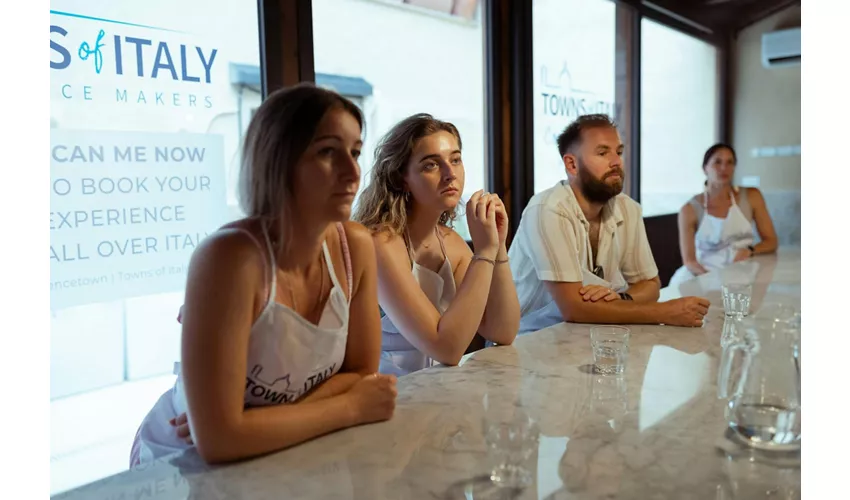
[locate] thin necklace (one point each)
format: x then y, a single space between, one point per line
292 299
321 287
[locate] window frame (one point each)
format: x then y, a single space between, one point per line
722 43
286 53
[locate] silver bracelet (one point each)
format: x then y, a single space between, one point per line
485 259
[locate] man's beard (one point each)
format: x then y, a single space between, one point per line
597 190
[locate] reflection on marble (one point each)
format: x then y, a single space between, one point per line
651 433
679 375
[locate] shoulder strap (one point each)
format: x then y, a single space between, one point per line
408 245
744 206
698 209
273 266
346 255
442 244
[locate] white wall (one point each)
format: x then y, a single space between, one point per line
766 113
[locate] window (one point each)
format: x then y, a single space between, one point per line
412 57
679 116
574 74
148 104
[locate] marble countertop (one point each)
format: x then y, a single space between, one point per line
653 433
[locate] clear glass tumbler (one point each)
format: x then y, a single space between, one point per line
736 299
610 346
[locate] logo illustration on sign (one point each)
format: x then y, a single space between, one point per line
562 102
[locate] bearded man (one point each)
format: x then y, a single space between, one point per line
580 253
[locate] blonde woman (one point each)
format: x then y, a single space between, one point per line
434 292
280 339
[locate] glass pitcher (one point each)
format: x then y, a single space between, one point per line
763 409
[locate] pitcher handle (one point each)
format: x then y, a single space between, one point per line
723 375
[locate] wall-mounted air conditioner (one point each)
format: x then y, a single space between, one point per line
780 48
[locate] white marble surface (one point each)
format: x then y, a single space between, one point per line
652 434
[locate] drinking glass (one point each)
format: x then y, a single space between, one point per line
610 346
736 299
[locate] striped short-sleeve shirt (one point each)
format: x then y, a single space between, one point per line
552 244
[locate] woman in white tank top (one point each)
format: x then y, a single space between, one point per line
434 293
716 226
280 307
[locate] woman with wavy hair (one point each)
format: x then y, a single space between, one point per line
435 293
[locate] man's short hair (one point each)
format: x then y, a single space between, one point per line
571 136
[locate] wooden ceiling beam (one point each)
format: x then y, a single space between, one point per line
723 17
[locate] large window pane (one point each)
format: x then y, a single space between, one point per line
148 103
574 74
400 58
679 115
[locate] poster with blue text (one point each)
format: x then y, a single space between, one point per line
127 209
143 134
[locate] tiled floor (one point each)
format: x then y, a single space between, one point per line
91 433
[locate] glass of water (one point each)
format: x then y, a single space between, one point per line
610 346
736 299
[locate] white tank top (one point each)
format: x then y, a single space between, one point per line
399 356
716 242
287 357
718 239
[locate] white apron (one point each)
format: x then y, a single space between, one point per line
287 357
717 240
398 356
549 314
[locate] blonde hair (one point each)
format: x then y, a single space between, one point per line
384 203
279 133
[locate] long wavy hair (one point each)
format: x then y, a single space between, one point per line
384 203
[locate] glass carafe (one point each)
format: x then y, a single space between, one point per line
763 408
